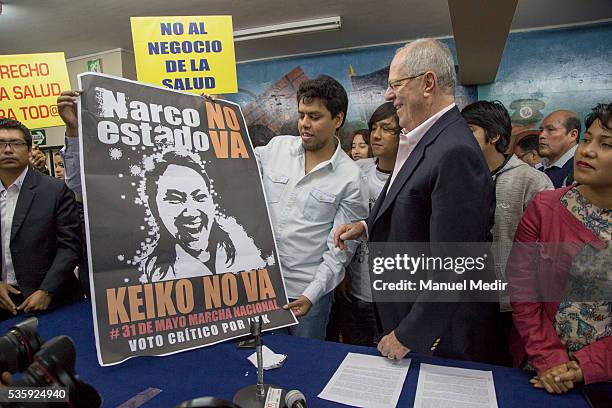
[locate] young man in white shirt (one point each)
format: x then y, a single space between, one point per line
312 187
356 316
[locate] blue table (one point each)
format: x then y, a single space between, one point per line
222 369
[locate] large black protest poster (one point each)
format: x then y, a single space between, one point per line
181 250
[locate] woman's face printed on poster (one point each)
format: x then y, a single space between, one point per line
186 207
189 233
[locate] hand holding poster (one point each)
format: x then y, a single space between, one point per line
192 54
181 250
29 87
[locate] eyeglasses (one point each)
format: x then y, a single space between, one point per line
397 84
13 144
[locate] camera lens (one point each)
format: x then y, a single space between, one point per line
54 366
19 345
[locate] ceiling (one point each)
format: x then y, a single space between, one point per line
81 27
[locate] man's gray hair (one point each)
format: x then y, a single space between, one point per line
427 54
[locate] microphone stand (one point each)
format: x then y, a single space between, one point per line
254 396
256 328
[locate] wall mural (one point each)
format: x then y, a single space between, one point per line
541 71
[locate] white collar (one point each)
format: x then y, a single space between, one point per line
18 181
419 131
563 159
299 150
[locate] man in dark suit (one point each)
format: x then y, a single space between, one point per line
440 192
41 237
559 135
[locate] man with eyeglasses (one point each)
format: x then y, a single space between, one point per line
41 241
440 191
559 134
527 148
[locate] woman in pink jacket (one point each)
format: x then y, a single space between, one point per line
559 272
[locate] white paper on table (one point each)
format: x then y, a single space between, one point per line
442 387
367 381
270 359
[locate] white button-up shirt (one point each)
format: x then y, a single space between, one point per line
407 143
409 140
562 160
8 202
305 210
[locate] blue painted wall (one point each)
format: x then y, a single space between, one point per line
540 71
563 68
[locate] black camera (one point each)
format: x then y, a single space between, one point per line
44 364
54 365
19 345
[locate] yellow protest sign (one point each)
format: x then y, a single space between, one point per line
29 87
192 54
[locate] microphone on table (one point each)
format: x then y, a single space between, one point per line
295 399
255 396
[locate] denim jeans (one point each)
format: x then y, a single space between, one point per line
314 324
